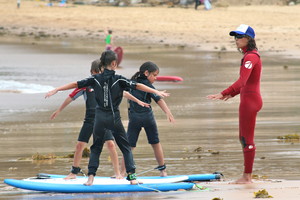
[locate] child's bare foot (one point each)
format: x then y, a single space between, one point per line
123 173
163 173
117 176
90 180
245 179
70 176
135 182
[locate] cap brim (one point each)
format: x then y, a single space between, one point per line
234 33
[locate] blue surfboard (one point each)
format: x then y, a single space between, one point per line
100 185
191 177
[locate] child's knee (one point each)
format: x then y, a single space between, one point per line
80 146
110 144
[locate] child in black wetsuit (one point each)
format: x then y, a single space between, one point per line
88 124
142 117
109 89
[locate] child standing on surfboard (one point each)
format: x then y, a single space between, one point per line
88 124
87 127
142 117
109 89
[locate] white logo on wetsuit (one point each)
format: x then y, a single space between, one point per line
105 90
248 64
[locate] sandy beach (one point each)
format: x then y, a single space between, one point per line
277 27
277 32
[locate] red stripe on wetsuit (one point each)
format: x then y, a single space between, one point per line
75 92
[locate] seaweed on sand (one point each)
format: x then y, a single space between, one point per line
262 194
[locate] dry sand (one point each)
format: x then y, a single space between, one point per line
277 29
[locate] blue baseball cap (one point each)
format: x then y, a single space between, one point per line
243 29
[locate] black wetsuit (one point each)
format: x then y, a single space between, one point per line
109 89
142 117
88 122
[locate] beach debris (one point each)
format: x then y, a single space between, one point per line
71 155
199 152
85 154
262 194
38 156
199 187
198 149
223 48
12 168
181 46
216 198
289 137
51 156
258 177
213 152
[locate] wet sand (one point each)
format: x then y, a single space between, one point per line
210 126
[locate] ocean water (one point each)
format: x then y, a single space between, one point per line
204 138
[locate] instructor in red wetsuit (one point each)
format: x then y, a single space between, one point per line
248 86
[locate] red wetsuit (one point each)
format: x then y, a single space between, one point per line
248 86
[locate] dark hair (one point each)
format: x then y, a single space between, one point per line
147 66
109 31
96 67
251 44
107 57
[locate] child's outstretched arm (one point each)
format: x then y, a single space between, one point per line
67 101
64 87
129 96
140 86
162 104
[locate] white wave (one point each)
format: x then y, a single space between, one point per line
19 87
27 110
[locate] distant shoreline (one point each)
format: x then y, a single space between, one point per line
276 27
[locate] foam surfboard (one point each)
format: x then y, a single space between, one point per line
119 52
191 177
103 184
169 78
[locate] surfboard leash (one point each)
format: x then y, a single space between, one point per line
140 185
160 168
